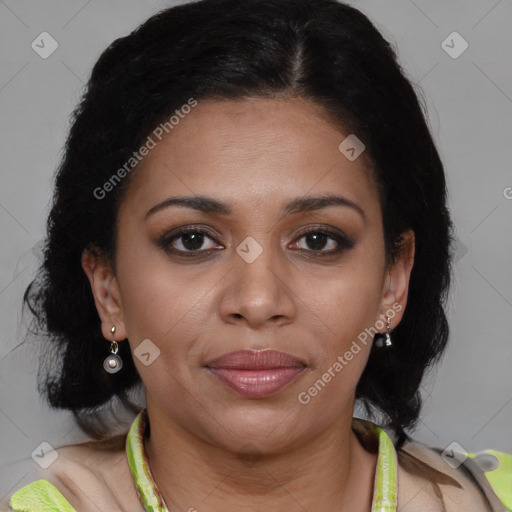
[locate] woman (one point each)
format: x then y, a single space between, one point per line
250 221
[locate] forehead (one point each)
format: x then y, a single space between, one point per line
256 152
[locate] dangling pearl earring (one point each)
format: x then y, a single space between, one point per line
113 363
386 342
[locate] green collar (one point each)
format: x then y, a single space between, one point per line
385 484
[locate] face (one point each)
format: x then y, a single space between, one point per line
258 265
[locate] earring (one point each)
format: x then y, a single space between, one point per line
386 342
113 363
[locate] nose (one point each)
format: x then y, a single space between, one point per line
258 293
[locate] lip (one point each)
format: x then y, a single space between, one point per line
256 360
256 373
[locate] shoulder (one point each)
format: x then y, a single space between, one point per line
429 480
88 476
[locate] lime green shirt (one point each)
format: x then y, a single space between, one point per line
43 496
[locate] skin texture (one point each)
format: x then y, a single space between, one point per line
211 448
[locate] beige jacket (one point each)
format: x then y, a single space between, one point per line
96 477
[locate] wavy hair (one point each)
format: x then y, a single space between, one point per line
322 50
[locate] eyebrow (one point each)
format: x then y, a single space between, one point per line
210 205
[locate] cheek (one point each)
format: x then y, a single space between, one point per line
347 303
162 307
347 298
159 302
347 308
160 310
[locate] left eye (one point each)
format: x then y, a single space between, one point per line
320 240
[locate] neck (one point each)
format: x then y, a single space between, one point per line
331 471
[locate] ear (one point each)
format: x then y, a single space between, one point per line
106 294
396 284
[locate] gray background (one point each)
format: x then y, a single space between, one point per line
469 395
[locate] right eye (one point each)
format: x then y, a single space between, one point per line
187 240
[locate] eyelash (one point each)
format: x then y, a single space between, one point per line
344 243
